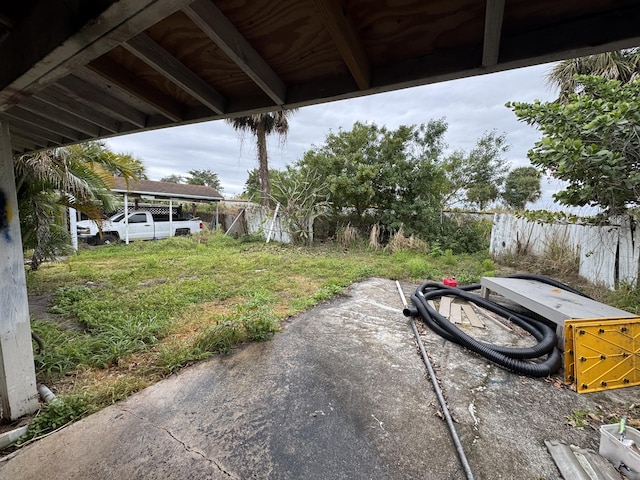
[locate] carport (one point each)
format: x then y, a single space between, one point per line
151 190
81 70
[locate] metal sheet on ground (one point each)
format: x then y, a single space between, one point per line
580 464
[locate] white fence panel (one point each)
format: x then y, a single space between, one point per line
629 254
598 247
260 221
602 250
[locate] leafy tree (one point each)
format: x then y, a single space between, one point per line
173 178
261 125
380 175
481 172
252 188
204 177
591 142
47 182
622 65
521 186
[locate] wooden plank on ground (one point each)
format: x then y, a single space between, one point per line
431 304
456 313
472 317
491 316
445 306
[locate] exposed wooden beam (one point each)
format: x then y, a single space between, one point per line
71 40
29 134
55 114
494 14
38 121
208 17
346 39
102 101
147 50
57 97
32 130
148 94
574 38
37 34
28 143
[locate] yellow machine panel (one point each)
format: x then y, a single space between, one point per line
602 353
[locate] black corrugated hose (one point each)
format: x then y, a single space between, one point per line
518 360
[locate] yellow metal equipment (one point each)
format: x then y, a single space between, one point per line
602 353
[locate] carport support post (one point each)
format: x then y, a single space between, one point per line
18 393
73 228
126 219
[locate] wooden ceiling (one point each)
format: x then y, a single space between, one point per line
75 70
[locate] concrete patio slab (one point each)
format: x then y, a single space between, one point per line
340 393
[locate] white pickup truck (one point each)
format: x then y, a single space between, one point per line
141 226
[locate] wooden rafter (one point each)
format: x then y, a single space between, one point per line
346 39
146 93
494 14
27 143
102 101
218 27
55 114
28 129
70 42
143 47
573 38
42 122
57 97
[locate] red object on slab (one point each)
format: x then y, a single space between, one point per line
450 282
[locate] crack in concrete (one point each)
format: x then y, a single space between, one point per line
184 445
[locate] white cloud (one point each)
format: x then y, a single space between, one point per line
471 106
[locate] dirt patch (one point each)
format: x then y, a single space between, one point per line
39 306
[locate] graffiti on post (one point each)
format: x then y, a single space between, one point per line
5 216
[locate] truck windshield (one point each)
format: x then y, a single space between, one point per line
117 218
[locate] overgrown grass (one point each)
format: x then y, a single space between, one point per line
125 316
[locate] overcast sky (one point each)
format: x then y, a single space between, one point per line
470 106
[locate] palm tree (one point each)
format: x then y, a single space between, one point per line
261 125
49 181
622 65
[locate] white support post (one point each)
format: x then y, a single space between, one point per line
126 219
73 228
18 392
273 222
170 217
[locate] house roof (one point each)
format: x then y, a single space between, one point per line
110 67
176 191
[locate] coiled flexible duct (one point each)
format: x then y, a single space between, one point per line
515 359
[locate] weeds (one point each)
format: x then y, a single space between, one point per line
558 259
58 413
374 237
125 316
398 242
578 418
220 338
347 236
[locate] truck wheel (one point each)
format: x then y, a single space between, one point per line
109 238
